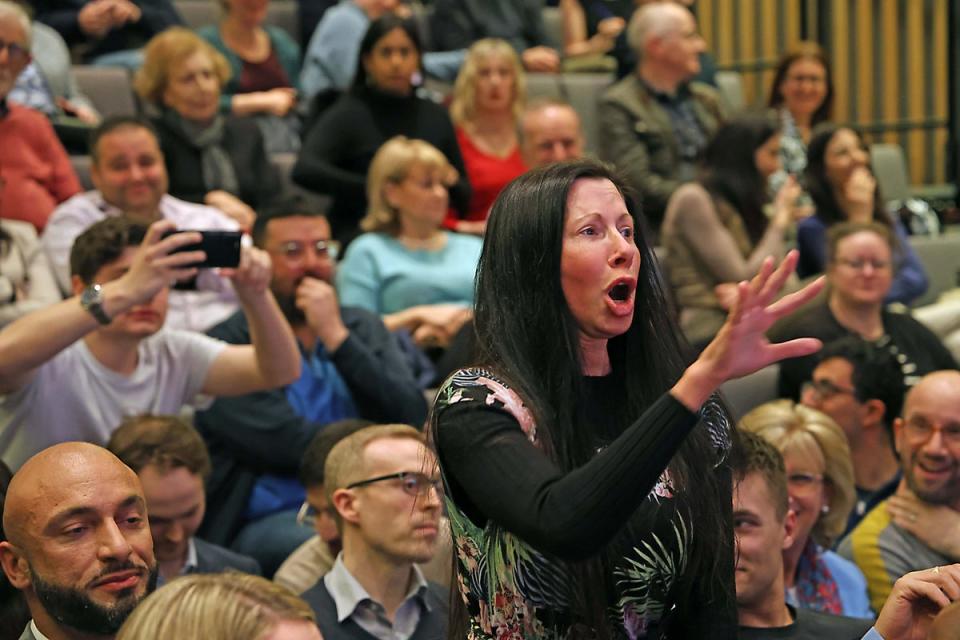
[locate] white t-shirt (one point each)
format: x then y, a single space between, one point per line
74 397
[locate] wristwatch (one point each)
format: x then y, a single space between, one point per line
92 300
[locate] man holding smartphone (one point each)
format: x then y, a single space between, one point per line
74 370
131 180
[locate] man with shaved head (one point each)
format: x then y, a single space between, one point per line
550 132
655 122
919 526
78 542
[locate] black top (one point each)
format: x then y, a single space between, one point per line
62 15
257 178
917 349
338 149
528 519
811 625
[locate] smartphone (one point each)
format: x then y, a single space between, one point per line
222 247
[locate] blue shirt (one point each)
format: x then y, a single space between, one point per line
380 274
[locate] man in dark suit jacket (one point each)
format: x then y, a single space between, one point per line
172 462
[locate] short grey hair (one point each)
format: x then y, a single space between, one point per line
652 20
14 10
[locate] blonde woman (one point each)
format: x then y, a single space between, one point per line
488 101
820 484
211 158
407 268
221 606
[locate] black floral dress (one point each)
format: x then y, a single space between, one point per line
517 529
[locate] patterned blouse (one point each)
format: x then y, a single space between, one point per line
514 590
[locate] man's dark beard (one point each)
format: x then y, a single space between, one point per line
288 305
73 608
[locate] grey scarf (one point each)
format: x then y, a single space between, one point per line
217 167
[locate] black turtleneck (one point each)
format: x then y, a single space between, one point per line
337 151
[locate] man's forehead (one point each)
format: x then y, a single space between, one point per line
835 368
937 396
119 141
12 25
298 228
120 265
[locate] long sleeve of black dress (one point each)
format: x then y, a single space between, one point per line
498 474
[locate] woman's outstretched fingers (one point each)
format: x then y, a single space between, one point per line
791 302
779 278
793 348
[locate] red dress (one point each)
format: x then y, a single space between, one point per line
487 174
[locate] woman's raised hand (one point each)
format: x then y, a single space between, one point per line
741 345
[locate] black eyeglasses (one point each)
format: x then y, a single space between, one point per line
413 483
824 389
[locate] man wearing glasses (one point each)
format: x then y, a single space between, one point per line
36 170
919 526
861 387
382 483
351 367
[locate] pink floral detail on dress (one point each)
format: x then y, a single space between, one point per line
633 623
513 404
664 486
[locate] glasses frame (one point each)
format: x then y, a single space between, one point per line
816 386
401 475
908 426
329 249
15 50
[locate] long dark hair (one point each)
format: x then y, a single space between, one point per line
729 168
803 50
375 32
818 185
528 335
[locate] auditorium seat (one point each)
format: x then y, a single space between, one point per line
108 88
890 167
730 87
581 90
200 13
940 256
743 394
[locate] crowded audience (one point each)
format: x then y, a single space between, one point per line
223 319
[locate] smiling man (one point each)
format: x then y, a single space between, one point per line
387 508
928 442
169 457
79 546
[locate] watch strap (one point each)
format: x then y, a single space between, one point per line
92 300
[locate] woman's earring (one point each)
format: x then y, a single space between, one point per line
825 509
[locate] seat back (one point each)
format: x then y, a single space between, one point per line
730 87
198 13
553 26
108 88
750 391
940 256
890 167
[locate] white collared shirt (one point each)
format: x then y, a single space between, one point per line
36 632
353 601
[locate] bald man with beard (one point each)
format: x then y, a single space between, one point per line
79 544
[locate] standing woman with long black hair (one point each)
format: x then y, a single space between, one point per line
587 483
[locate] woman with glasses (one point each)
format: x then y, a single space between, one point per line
820 486
802 92
860 272
407 268
839 180
585 467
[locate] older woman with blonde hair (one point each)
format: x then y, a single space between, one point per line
221 606
488 100
211 158
407 268
820 484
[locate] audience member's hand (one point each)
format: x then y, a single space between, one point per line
541 60
279 101
155 266
318 301
859 192
726 293
611 27
915 600
440 323
233 207
123 12
741 346
82 113
252 275
96 18
785 209
937 526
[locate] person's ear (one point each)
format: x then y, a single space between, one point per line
77 285
15 565
871 413
345 502
789 529
390 193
